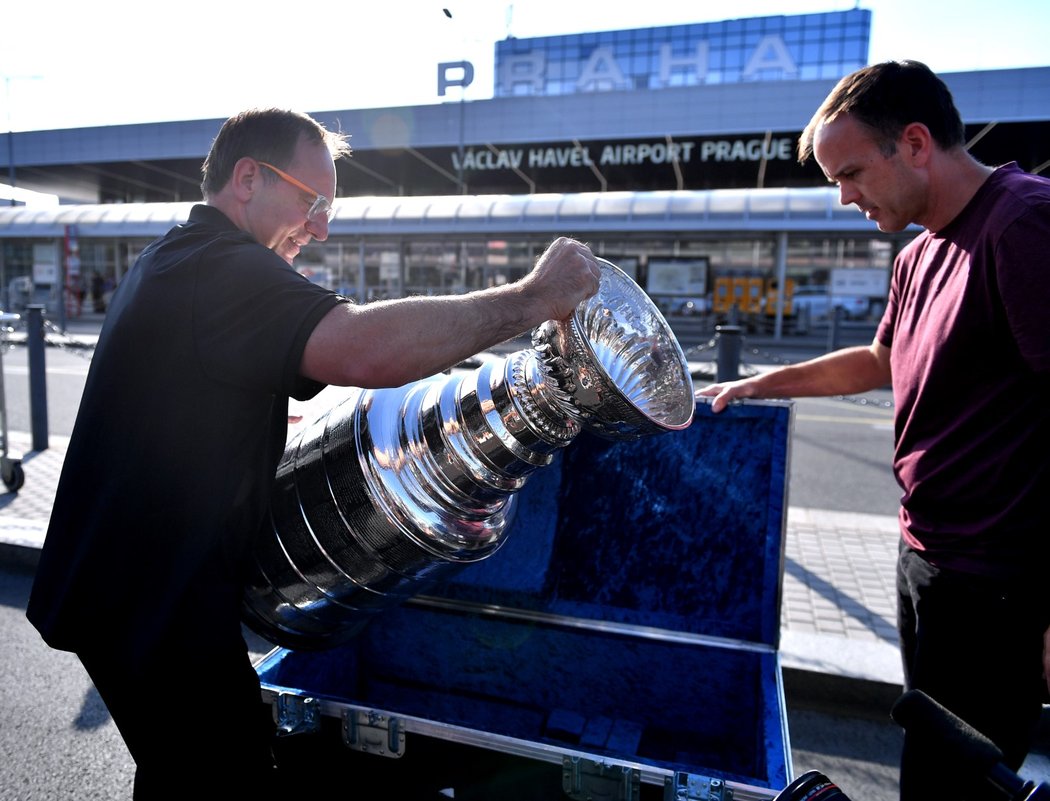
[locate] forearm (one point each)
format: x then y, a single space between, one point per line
389 343
393 342
842 372
839 373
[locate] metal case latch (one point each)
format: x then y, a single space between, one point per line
296 714
373 733
686 787
585 779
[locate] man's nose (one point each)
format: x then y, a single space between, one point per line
318 227
848 194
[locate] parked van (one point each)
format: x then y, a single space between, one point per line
818 303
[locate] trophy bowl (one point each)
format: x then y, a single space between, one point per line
618 362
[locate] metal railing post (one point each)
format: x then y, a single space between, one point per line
37 376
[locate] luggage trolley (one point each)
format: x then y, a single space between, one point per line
10 467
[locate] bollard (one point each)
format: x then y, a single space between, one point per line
728 338
834 328
37 376
802 321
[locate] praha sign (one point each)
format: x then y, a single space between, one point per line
601 72
717 150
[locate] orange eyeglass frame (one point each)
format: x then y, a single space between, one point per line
321 206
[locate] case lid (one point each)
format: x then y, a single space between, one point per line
681 531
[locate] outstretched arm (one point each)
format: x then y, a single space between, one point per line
390 343
841 372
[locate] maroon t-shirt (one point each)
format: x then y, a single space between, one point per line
968 326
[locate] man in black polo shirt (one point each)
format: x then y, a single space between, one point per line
182 423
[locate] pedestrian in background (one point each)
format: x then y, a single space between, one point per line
98 303
181 426
965 344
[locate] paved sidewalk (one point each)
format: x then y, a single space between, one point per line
837 616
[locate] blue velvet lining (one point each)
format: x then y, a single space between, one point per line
681 531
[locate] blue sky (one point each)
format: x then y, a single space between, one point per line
73 63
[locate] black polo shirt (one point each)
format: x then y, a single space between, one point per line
182 423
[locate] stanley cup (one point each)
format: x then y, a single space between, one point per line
394 489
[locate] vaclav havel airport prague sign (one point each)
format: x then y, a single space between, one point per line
628 154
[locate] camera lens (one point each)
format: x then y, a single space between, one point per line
812 786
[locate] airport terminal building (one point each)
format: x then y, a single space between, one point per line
671 150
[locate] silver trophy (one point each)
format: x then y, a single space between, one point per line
394 489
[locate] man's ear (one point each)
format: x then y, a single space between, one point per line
246 179
916 144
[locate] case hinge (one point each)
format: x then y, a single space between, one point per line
373 733
687 787
296 714
585 779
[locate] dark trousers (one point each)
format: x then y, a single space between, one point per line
974 645
191 715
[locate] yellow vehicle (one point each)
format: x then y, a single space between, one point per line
737 291
772 290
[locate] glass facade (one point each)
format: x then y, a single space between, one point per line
24 262
375 268
804 46
710 267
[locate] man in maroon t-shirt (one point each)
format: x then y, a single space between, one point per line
965 343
